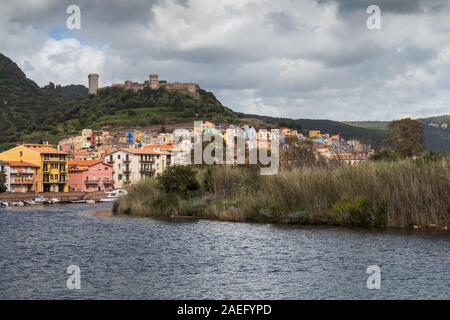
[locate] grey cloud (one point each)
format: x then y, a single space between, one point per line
289 58
392 6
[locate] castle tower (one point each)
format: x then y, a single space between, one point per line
93 83
154 81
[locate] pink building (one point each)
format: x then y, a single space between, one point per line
90 175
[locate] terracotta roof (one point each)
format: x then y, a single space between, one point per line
143 151
46 150
21 164
87 163
159 146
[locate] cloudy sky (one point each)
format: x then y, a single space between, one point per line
287 58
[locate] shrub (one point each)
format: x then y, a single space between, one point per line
179 180
352 211
358 212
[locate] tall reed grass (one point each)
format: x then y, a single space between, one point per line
395 194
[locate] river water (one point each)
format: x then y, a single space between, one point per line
141 258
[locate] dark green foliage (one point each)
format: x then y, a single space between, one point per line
358 212
404 137
2 182
179 180
29 113
384 155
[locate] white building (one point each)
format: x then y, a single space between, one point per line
130 165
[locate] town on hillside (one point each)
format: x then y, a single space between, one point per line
101 160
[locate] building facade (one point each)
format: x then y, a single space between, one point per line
22 176
52 172
130 165
90 176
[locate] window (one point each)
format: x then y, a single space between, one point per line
119 177
118 156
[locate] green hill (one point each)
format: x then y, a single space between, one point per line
29 113
436 131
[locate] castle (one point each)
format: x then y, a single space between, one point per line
153 83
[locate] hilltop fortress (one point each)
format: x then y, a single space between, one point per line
153 83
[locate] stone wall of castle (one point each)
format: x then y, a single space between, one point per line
152 83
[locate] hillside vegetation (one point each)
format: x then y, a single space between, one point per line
436 131
31 114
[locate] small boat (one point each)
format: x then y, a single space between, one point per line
90 201
4 204
17 204
53 201
78 201
40 200
113 195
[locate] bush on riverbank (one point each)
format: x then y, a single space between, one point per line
397 194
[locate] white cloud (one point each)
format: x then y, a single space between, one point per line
288 58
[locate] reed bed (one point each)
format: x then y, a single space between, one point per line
375 194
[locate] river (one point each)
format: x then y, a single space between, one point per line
142 258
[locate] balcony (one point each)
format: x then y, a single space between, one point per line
19 182
144 160
147 172
126 160
22 171
91 182
53 181
126 171
108 182
54 160
110 161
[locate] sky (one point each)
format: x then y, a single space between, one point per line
286 58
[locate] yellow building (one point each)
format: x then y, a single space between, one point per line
289 132
314 134
52 174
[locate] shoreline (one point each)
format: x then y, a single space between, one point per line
405 194
431 228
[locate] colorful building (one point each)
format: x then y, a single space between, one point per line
90 176
22 176
52 174
130 165
314 134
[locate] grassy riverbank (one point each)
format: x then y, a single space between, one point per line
395 194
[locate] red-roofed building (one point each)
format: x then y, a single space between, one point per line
90 176
20 176
130 165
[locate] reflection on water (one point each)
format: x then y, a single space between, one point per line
140 258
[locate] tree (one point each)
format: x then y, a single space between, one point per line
2 182
299 154
404 137
179 180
